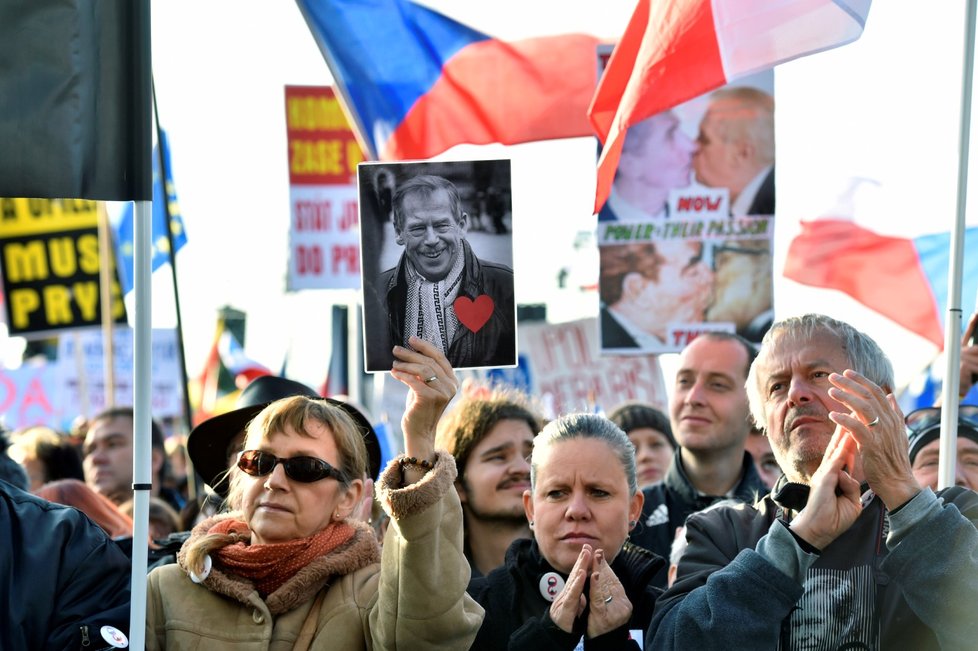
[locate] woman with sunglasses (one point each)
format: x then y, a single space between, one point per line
289 568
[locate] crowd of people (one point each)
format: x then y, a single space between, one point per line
781 500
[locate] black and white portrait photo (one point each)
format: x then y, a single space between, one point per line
436 250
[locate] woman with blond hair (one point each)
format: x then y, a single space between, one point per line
291 568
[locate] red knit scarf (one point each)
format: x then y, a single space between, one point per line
270 566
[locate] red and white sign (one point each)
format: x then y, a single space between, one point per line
324 249
569 374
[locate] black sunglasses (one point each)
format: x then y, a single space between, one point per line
305 469
923 419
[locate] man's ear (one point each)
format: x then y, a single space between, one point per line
463 221
744 151
463 495
632 284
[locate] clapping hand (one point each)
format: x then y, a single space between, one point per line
877 426
834 502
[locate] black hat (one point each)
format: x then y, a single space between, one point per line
635 415
207 443
924 426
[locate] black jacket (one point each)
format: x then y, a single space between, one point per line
494 344
518 616
62 578
672 500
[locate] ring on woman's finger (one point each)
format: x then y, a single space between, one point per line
435 377
608 599
874 422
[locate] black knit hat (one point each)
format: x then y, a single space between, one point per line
924 426
208 443
633 415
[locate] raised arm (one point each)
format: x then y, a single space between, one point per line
422 603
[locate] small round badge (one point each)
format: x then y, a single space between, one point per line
203 575
551 584
115 637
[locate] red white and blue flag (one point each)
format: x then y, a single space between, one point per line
904 279
418 82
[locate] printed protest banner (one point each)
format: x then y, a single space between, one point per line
665 281
718 145
711 157
437 250
562 365
55 392
81 372
568 372
323 157
30 395
49 256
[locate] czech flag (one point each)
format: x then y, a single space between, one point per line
418 83
905 280
675 50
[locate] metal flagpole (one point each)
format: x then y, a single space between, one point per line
142 341
952 330
142 480
193 484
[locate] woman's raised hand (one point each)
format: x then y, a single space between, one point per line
432 382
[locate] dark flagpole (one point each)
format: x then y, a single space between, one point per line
192 483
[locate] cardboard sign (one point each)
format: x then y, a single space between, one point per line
568 372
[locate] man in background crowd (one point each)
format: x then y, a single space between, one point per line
710 420
107 457
490 434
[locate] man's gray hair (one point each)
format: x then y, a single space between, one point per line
581 426
751 119
425 185
863 354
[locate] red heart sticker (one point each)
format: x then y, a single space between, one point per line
474 314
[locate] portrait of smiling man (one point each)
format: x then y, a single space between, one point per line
439 289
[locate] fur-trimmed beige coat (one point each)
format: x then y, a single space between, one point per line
414 598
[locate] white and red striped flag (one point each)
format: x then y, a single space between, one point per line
675 50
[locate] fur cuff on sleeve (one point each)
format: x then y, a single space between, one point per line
403 502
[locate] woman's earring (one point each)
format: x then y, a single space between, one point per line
531 524
632 523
